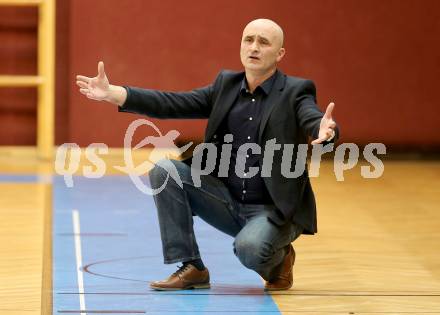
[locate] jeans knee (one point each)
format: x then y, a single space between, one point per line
252 252
164 167
157 174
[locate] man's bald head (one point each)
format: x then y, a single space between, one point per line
261 47
271 27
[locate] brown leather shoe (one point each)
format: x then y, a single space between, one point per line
284 281
187 277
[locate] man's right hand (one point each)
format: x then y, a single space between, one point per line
99 88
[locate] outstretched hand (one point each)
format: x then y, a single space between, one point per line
327 126
97 88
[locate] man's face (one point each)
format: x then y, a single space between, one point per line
261 47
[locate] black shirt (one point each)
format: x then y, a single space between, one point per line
243 123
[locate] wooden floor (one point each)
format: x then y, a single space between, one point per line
377 250
378 246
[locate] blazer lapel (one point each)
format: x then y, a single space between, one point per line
271 101
224 104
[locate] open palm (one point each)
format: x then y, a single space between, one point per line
327 125
96 88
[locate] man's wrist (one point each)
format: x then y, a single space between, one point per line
116 95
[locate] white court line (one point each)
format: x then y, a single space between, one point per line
77 231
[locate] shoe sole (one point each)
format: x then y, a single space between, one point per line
191 287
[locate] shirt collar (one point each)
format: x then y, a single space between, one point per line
266 86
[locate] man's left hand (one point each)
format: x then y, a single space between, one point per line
327 126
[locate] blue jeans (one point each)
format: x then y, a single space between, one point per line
259 244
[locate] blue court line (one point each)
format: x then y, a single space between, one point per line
23 178
121 252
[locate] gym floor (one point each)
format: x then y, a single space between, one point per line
94 248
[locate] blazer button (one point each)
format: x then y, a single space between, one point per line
214 136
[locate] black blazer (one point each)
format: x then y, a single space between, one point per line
290 116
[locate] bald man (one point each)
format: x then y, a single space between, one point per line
264 208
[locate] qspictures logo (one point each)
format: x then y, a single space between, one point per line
205 159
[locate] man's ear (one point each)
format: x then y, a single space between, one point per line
281 54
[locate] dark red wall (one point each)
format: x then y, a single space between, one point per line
18 44
378 60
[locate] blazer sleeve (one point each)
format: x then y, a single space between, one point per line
308 113
160 104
